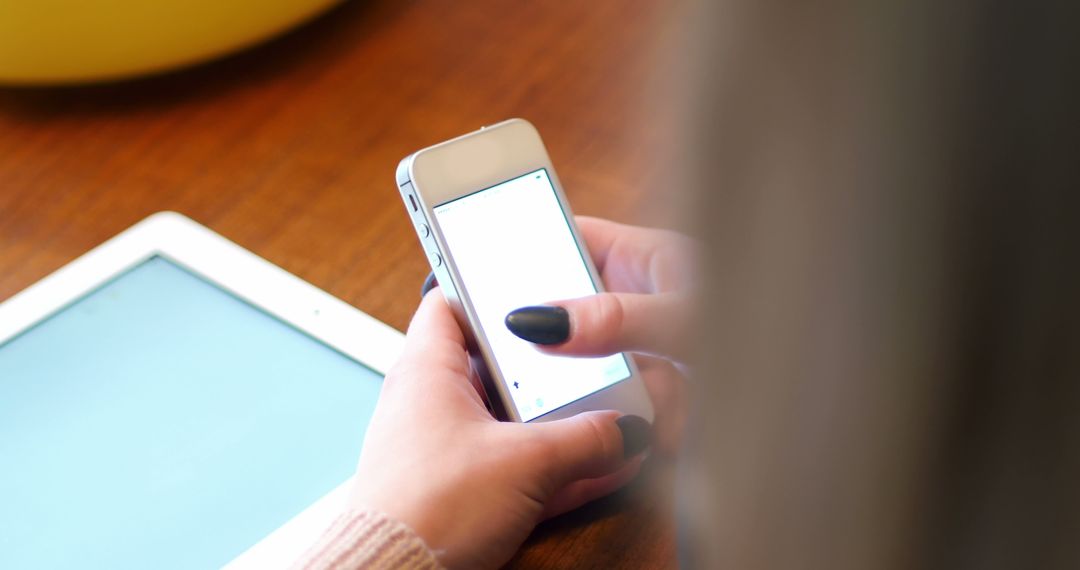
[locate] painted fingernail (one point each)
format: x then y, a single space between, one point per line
429 283
541 325
636 434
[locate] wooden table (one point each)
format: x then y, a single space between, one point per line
289 149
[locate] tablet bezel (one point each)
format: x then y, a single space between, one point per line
221 262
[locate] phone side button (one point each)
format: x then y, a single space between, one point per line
423 230
436 259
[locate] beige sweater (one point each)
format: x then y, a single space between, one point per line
368 539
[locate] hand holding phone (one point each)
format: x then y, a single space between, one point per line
651 277
499 235
470 486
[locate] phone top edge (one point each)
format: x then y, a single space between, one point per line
402 174
475 160
484 130
516 121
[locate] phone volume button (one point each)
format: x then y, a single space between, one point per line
423 230
436 259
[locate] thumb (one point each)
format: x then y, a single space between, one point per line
607 323
593 444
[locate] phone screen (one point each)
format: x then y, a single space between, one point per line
513 247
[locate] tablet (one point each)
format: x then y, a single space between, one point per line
171 400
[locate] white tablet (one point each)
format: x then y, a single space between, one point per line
171 400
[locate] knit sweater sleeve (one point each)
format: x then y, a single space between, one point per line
368 540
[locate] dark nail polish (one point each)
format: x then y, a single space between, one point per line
541 325
429 284
636 434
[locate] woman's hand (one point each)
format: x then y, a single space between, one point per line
649 275
470 486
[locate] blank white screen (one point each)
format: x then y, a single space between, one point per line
513 248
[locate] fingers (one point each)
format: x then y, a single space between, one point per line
667 391
599 236
592 444
434 361
433 327
608 323
638 260
585 491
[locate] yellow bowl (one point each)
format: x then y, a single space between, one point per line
51 42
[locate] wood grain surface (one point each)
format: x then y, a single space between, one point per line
289 150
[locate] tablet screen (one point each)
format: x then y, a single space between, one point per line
162 422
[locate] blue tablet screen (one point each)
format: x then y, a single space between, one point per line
161 422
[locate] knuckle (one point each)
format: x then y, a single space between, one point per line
609 317
543 448
604 437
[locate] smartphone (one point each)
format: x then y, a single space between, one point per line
492 217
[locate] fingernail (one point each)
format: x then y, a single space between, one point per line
429 283
636 434
541 325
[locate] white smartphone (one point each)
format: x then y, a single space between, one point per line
494 222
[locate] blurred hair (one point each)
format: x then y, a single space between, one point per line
889 371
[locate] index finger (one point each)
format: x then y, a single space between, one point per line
434 340
633 259
434 361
